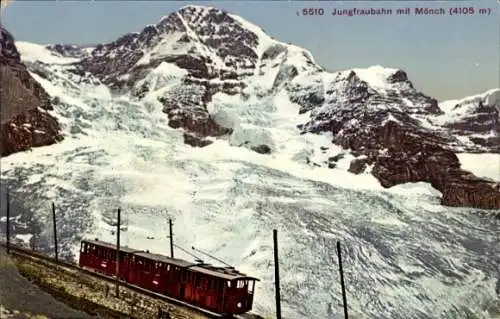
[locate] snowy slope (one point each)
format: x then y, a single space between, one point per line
482 165
31 52
490 97
476 119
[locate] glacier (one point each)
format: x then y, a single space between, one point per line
405 255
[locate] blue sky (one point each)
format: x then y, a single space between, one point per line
445 56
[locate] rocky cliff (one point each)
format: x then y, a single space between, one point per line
25 122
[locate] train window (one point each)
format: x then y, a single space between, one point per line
239 284
228 284
213 284
168 267
251 287
197 281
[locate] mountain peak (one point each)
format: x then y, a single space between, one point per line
380 77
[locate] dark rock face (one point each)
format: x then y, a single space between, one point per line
414 158
358 165
261 149
195 141
25 122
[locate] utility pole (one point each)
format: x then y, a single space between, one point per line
171 238
277 275
8 223
55 230
344 297
118 254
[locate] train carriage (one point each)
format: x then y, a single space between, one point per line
221 290
225 290
165 276
101 256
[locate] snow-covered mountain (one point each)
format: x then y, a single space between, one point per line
193 60
476 118
282 144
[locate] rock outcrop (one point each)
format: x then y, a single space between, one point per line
384 128
25 122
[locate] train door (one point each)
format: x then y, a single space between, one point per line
123 265
148 274
211 294
111 261
185 274
229 296
139 268
156 276
173 281
83 254
131 269
197 290
187 286
250 295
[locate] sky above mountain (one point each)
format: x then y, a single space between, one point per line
445 56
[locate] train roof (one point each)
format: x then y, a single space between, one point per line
162 258
221 272
110 246
227 273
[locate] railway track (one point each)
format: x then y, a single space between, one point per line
70 267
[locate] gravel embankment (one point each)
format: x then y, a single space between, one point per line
19 298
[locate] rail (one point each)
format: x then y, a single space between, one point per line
49 261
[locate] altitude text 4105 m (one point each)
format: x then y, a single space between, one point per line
418 11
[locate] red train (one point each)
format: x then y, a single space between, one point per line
223 291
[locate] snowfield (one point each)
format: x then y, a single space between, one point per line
481 165
405 255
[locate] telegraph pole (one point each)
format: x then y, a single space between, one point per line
344 297
55 230
118 254
8 223
277 275
171 238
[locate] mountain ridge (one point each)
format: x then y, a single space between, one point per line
198 54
